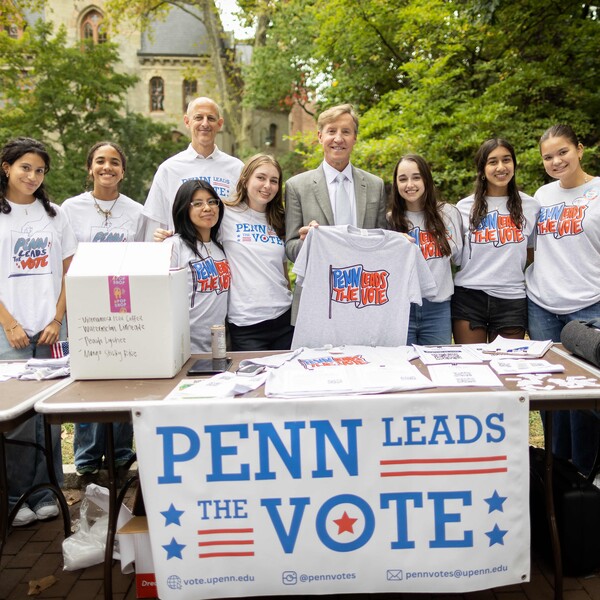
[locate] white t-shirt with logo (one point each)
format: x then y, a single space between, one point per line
565 274
220 170
33 246
495 254
357 286
259 288
209 280
439 265
90 225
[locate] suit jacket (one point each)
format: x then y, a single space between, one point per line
307 199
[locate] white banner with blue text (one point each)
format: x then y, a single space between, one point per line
392 493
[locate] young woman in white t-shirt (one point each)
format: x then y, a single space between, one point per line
103 214
418 211
563 283
253 235
36 247
498 224
197 216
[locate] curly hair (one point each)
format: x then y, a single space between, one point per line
10 153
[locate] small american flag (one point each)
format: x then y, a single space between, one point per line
59 349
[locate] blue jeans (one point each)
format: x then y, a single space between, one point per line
575 433
90 444
430 323
26 465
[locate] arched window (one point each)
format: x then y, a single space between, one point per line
93 28
190 91
157 94
271 138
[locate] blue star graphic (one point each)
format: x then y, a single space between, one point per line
174 549
495 501
172 515
496 535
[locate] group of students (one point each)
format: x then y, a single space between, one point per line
489 236
526 265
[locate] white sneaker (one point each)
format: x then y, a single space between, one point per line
25 516
49 511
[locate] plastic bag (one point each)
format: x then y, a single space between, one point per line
86 546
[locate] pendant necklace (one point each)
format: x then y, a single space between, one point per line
107 213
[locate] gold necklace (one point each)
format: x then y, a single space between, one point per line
107 213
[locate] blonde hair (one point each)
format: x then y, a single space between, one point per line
333 113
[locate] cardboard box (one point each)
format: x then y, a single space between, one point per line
145 581
127 312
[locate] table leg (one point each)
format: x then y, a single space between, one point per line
113 509
550 511
115 500
3 495
64 507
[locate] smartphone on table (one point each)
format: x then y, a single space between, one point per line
210 366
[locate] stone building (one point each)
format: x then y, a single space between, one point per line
172 62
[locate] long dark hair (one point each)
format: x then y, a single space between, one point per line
13 151
275 212
480 207
181 214
434 223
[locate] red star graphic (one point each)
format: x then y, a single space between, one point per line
345 523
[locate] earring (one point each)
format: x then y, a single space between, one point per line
483 178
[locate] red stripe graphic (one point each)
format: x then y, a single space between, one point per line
225 554
230 532
444 461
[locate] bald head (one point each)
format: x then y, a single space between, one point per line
203 119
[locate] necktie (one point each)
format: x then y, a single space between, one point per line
343 208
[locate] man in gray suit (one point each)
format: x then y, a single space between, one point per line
336 193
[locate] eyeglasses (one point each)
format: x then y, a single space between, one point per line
211 202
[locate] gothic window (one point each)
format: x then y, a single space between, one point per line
157 94
93 28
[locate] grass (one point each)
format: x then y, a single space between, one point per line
536 436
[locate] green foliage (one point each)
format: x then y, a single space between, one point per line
70 98
438 77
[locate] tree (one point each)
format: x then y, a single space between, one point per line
438 77
72 97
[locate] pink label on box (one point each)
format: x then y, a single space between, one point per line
120 299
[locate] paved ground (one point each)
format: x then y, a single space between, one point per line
35 552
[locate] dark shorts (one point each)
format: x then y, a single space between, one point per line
274 334
482 310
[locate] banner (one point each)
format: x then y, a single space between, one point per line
396 493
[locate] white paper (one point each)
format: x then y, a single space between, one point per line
437 355
222 385
463 376
512 366
520 348
346 370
